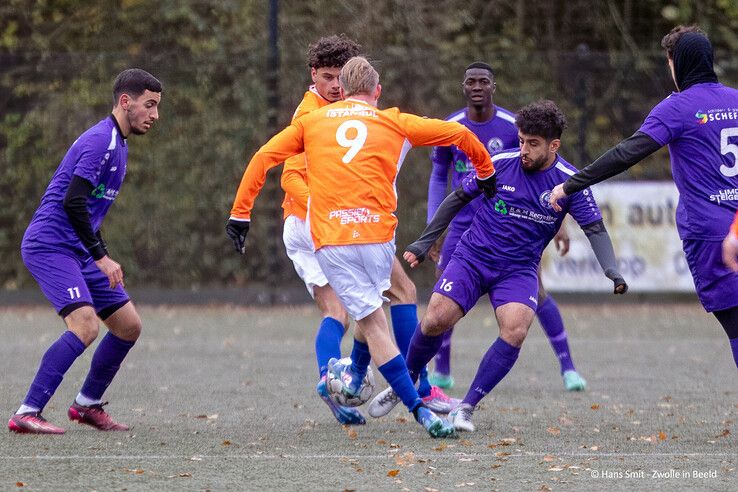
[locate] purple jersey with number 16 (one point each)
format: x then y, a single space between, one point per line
515 226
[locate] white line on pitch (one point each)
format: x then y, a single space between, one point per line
197 457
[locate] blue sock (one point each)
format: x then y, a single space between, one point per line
421 351
54 364
395 372
105 364
328 343
552 323
404 320
495 365
360 359
734 348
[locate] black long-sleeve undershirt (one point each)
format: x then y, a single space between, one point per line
75 205
623 156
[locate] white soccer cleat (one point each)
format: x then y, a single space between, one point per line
383 403
461 418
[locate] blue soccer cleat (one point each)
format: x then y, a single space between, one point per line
344 415
435 425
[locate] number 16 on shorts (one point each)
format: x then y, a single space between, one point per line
446 286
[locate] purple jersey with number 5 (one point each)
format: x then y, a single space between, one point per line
99 155
516 225
700 126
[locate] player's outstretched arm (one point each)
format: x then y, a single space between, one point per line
623 156
601 244
415 253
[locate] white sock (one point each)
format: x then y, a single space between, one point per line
86 402
27 409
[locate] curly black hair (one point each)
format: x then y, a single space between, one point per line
332 51
541 118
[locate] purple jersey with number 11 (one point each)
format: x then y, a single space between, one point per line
700 125
515 226
99 155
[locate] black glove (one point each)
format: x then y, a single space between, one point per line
237 230
620 287
488 186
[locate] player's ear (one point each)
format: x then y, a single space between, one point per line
340 91
554 145
378 91
314 74
124 101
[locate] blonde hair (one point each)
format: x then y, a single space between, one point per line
358 77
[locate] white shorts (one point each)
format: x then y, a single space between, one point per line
359 274
300 249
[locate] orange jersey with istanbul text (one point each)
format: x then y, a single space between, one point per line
353 152
255 175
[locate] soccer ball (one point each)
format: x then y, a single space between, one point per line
337 382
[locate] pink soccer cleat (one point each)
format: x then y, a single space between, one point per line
94 416
32 423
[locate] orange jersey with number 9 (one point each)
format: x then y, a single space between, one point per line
353 152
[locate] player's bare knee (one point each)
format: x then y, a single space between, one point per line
84 324
434 323
514 335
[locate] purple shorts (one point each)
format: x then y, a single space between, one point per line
449 245
465 282
69 281
716 285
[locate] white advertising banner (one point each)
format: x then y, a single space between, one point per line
640 217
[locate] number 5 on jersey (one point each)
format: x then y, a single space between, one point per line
355 143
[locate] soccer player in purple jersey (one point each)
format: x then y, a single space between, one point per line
500 252
495 127
64 251
699 123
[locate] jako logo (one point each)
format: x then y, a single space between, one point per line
701 117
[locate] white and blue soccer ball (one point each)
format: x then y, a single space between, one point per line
337 382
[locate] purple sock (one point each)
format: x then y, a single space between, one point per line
443 356
105 364
550 318
495 365
54 364
421 350
734 348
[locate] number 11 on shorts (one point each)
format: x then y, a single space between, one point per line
73 292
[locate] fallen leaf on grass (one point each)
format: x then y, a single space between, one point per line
20 484
556 469
207 417
351 433
725 433
545 488
554 431
393 473
405 459
181 475
227 443
548 458
595 406
440 447
501 453
662 436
